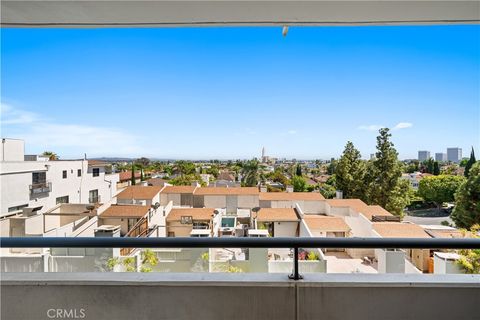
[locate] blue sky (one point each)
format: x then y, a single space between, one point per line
226 92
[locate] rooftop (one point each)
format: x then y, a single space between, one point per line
195 213
127 175
360 207
227 191
399 230
289 196
277 214
178 189
125 211
326 223
139 192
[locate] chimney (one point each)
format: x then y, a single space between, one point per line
339 194
289 188
263 189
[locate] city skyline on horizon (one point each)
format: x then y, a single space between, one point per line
223 93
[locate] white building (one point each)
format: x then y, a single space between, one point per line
423 155
35 184
454 154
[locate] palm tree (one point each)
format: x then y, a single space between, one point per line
51 155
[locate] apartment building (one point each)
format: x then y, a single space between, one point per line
423 155
35 184
229 198
454 154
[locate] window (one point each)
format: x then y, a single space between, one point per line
17 208
96 172
79 172
63 199
39 177
64 174
186 219
93 196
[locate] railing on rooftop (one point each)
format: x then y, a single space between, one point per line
293 243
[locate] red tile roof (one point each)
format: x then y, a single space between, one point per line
139 192
125 211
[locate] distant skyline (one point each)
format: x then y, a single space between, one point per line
224 93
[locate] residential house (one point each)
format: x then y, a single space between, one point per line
190 222
280 222
142 195
38 184
180 196
229 198
311 202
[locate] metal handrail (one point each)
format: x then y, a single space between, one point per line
280 242
188 242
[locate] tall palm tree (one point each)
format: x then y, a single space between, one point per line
250 173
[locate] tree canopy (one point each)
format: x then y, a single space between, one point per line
470 163
386 188
467 200
350 173
439 189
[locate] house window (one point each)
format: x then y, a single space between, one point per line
39 177
93 196
79 172
96 172
186 219
63 199
17 208
64 174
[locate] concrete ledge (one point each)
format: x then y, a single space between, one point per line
238 296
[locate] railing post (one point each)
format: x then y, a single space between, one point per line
295 275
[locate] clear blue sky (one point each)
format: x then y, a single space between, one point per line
226 92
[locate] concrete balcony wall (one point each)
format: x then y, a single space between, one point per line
239 296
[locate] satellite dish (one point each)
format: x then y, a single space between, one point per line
90 207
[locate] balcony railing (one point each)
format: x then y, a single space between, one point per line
39 188
293 243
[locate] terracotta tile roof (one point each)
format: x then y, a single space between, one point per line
127 175
156 182
360 207
195 213
139 192
227 191
277 214
448 233
399 230
291 196
178 189
125 211
226 176
326 223
99 163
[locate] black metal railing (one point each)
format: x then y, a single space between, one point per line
42 187
189 242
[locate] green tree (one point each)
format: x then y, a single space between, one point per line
132 179
470 259
385 186
185 167
332 167
467 200
142 176
144 162
328 191
51 155
436 168
250 174
439 189
299 184
299 170
350 173
470 163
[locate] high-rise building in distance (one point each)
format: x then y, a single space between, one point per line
423 155
454 154
440 157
